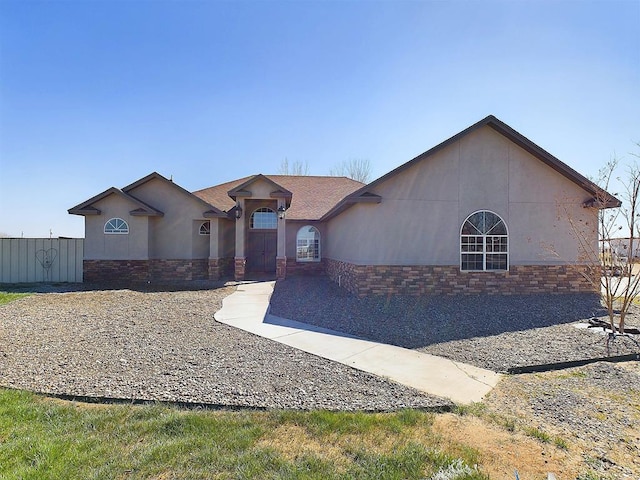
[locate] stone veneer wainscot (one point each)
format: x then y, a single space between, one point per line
365 280
140 271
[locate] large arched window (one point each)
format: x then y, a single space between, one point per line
308 244
484 242
116 226
264 219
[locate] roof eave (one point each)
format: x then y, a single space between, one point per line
602 204
84 211
239 193
141 212
215 213
347 202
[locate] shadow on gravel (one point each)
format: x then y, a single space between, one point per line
415 322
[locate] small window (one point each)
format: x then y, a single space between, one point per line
205 228
484 242
264 219
116 226
308 244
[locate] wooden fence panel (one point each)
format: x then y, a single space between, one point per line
33 260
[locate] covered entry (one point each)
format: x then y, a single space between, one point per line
260 227
262 241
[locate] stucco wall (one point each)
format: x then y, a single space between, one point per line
226 238
260 189
175 235
99 246
423 207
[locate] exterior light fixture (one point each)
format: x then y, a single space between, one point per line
238 211
281 212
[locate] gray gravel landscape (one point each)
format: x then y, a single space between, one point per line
490 331
166 345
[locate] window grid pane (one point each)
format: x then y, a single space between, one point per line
472 261
496 261
472 244
264 219
308 249
496 244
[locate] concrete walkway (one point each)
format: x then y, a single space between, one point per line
248 309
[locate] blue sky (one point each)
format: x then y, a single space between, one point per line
95 94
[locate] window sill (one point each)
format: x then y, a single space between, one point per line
484 271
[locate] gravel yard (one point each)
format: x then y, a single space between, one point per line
165 345
494 332
594 408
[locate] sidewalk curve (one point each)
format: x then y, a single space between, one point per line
248 309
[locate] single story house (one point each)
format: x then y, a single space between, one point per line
486 211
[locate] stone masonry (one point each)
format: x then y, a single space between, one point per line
240 264
220 268
365 280
142 271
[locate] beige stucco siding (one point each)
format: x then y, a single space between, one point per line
175 235
101 246
260 189
222 241
227 238
546 217
483 173
394 232
423 207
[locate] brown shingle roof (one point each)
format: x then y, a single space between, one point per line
312 196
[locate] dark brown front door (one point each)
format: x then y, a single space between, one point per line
262 252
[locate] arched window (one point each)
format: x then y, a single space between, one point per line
116 226
205 228
308 244
484 242
264 219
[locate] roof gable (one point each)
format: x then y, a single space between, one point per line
210 212
141 208
602 199
278 190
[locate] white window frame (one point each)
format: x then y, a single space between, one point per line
260 225
306 244
484 243
116 226
205 228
